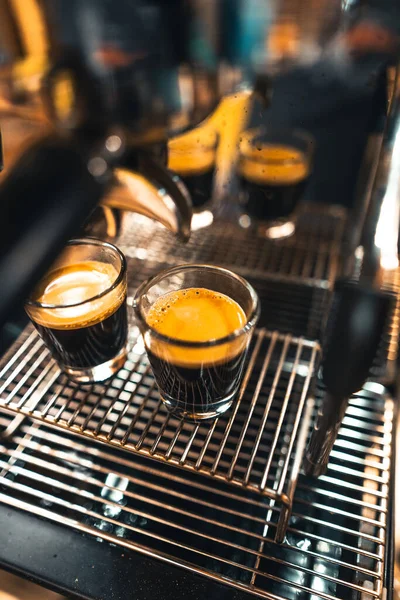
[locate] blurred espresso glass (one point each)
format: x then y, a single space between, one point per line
192 156
274 168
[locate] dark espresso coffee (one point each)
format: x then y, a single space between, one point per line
200 186
273 179
83 331
196 167
196 380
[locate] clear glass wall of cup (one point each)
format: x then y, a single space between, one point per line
274 167
181 313
192 156
79 309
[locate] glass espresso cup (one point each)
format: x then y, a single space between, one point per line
79 309
197 322
192 156
274 168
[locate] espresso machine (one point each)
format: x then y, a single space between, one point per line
102 472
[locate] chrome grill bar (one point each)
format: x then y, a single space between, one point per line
310 257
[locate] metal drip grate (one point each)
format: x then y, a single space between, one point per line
222 524
292 277
286 307
310 257
334 546
258 445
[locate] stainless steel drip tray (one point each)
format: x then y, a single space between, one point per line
214 495
309 257
336 540
258 445
286 306
293 277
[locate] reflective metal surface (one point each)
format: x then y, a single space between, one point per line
258 446
335 542
138 194
309 258
384 368
380 241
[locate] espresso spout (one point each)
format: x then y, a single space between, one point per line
154 192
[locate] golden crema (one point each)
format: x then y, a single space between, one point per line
196 315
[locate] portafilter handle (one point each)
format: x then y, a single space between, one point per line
355 327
